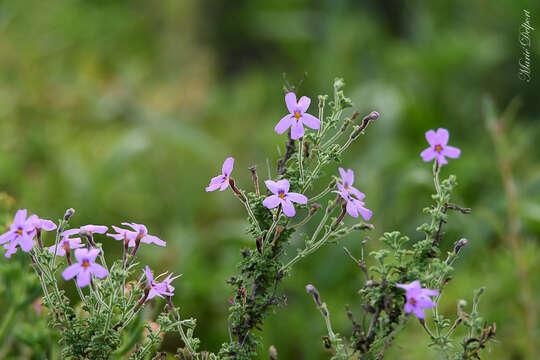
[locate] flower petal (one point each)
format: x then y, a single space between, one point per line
20 217
343 174
75 243
284 124
71 271
290 100
419 312
303 104
60 251
415 285
441 159
408 308
92 254
98 271
26 241
271 201
148 274
359 195
310 121
272 186
283 185
432 138
288 208
297 198
83 279
297 130
47 225
442 135
366 213
351 209
350 176
451 152
228 166
429 292
151 239
11 249
224 185
428 154
70 232
425 303
95 229
215 183
4 238
80 254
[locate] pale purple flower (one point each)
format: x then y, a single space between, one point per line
67 243
347 177
159 289
417 298
42 224
85 267
282 196
140 232
297 117
94 229
354 206
438 147
123 234
21 232
221 182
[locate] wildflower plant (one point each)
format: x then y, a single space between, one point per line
406 282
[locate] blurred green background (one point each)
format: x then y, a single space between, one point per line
125 109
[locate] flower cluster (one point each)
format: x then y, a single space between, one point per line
23 231
270 216
280 189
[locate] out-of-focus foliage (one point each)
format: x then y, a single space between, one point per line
124 110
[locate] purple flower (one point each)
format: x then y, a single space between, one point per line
347 177
159 289
84 267
140 232
438 147
297 117
94 229
221 182
354 206
418 298
42 224
67 243
21 232
282 196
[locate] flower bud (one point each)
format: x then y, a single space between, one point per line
69 213
459 244
313 291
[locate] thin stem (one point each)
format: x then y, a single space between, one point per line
300 159
323 193
274 223
176 314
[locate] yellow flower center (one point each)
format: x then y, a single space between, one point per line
297 115
438 148
281 195
85 264
412 301
19 232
